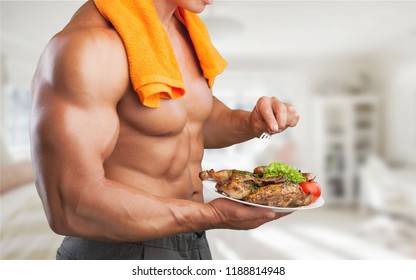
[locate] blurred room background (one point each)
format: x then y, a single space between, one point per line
349 67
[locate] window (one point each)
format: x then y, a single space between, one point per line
16 107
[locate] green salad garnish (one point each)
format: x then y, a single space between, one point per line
282 169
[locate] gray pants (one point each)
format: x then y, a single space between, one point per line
185 246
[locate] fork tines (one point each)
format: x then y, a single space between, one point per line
264 139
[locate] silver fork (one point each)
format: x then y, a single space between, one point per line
264 140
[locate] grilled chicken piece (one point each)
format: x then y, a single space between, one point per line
252 187
302 200
236 189
225 175
260 182
219 176
280 195
239 184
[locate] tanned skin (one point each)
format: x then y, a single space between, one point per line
109 168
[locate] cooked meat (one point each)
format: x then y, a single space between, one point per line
270 180
238 185
225 175
236 189
259 170
252 187
303 200
219 176
280 195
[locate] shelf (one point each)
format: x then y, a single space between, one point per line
347 134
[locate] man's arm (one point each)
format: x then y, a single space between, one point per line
227 127
74 129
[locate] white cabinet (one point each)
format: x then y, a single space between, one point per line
346 133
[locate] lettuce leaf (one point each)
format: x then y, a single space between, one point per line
282 169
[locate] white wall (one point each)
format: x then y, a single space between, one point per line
26 27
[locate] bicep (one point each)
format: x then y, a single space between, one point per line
74 112
64 132
74 124
69 142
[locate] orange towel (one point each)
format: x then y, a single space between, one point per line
153 67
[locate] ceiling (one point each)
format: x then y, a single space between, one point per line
251 29
310 28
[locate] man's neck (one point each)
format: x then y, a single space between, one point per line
165 10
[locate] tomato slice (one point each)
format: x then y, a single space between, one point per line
311 187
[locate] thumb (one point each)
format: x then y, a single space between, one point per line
270 214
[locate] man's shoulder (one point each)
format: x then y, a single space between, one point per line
88 31
88 37
94 41
86 61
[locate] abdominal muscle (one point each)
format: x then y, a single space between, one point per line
162 157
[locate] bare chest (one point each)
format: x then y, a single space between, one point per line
173 115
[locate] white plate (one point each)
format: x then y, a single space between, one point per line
210 185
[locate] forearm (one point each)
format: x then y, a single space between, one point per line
113 211
227 127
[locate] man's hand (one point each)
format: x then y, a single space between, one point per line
226 127
234 215
273 116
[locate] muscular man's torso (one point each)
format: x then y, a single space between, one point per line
159 150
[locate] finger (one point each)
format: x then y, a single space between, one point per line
280 215
292 115
280 113
270 214
265 110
